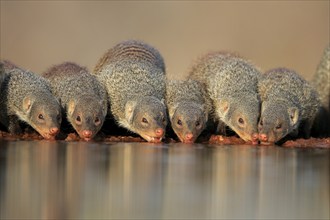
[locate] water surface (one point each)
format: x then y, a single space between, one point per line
58 180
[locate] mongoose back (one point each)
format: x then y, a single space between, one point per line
231 83
289 105
189 108
83 98
321 83
134 75
26 96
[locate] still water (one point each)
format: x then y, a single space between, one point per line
60 180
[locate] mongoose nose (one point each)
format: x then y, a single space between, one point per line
263 137
54 131
189 136
255 137
87 133
159 132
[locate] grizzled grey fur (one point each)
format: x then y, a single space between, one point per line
231 83
321 83
2 79
83 98
134 76
289 105
2 74
189 107
27 97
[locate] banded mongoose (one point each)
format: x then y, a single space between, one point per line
189 108
26 96
133 73
231 83
321 83
83 98
289 105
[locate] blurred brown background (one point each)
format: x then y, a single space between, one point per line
36 34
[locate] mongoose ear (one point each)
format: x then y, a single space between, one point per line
104 110
27 103
294 115
163 102
172 110
206 115
224 106
129 110
70 107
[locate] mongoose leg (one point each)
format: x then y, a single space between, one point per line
221 128
294 133
13 125
306 128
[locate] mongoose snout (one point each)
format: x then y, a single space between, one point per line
51 133
156 137
54 131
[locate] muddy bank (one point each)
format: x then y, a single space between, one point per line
213 139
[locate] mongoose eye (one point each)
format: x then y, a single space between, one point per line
279 126
78 119
261 123
97 120
179 122
241 121
41 117
197 123
144 120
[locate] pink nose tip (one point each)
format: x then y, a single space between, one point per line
263 137
159 132
87 133
255 137
54 131
189 136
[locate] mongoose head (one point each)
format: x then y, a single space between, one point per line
44 115
86 115
276 121
188 120
146 117
241 115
